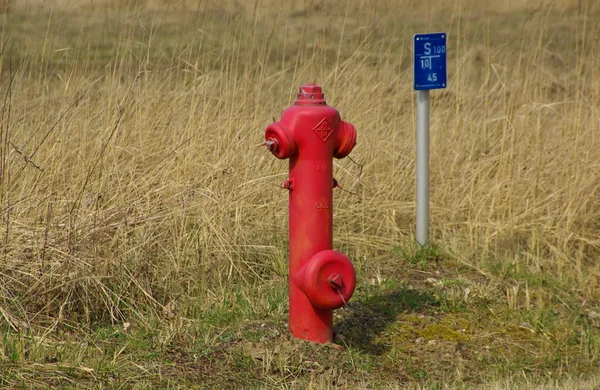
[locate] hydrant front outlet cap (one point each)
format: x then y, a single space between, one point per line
329 279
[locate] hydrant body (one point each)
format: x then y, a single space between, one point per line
310 134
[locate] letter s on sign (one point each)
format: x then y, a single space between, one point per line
428 48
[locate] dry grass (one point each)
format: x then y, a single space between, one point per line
131 190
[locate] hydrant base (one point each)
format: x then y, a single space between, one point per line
308 322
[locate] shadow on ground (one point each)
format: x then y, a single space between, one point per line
368 316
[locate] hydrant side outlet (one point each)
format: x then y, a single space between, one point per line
310 134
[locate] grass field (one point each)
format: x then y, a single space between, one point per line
143 236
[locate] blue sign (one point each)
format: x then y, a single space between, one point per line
430 61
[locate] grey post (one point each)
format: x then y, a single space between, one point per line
423 167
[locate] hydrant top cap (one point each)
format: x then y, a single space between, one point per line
310 94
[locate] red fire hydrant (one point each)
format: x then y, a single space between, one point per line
310 134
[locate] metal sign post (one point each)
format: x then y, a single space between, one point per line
429 73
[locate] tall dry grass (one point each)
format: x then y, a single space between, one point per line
130 179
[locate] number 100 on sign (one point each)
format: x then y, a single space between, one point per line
430 61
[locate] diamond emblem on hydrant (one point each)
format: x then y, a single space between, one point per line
323 129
